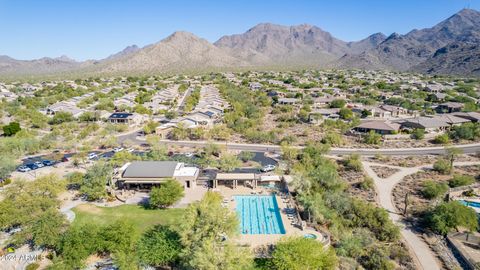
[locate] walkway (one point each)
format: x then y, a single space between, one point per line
424 256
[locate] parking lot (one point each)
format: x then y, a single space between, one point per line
32 165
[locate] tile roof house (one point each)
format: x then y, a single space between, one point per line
427 123
124 118
317 116
472 116
451 119
450 107
379 126
65 106
288 101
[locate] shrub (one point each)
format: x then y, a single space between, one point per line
5 182
346 113
332 138
300 253
167 194
418 134
338 103
442 166
432 189
376 259
372 138
467 131
442 139
11 129
246 156
354 163
451 215
469 193
32 266
159 246
61 117
367 183
461 180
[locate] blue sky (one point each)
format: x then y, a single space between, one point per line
91 29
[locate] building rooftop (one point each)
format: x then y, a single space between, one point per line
151 169
379 125
120 115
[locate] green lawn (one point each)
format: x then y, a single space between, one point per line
142 218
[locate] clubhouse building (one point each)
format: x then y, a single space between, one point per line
146 174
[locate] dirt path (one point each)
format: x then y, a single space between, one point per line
423 255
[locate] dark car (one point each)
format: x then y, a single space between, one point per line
64 159
48 162
32 166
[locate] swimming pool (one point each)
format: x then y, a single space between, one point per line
259 214
310 236
471 204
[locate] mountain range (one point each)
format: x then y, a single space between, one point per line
450 47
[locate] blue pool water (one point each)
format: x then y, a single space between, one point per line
259 214
471 204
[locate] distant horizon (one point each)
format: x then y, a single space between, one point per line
93 31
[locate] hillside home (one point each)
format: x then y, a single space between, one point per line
124 118
450 107
378 126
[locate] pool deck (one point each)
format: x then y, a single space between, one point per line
258 240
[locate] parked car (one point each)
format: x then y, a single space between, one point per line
39 164
64 159
23 168
130 150
92 155
32 166
48 162
268 168
189 154
117 149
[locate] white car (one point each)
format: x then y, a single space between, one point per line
130 150
39 164
268 168
117 149
92 155
189 154
23 168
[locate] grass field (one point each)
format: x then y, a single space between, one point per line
142 218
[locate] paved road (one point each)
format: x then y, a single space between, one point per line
467 148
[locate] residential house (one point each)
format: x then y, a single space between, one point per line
450 107
65 106
255 86
288 101
124 118
451 119
429 124
472 116
317 116
378 126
